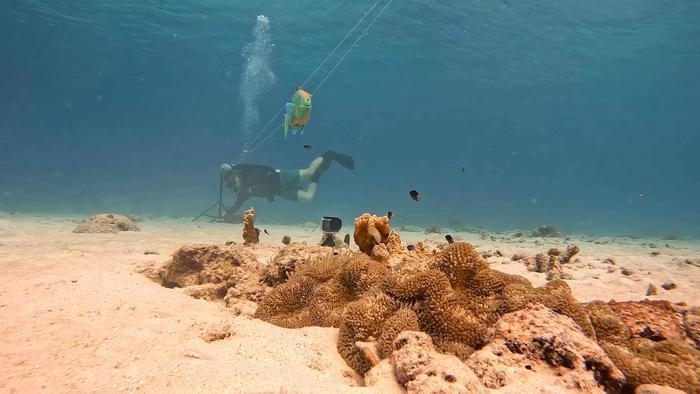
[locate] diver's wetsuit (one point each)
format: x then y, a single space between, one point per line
263 181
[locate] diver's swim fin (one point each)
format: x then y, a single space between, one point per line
342 159
328 157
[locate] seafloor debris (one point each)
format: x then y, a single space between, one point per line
106 223
550 264
433 229
652 290
546 230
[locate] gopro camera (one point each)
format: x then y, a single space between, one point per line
331 224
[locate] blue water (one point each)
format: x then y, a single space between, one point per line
560 112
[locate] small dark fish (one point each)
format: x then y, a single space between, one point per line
463 169
265 230
347 239
449 239
389 214
307 146
642 194
414 195
410 247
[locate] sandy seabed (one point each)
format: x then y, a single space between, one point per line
76 316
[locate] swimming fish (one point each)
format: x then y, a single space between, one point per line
414 195
265 230
642 194
463 169
449 239
389 214
307 146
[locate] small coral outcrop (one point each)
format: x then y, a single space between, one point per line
531 350
251 235
106 223
422 369
209 271
370 231
551 263
535 341
634 335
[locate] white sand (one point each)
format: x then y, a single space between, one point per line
75 317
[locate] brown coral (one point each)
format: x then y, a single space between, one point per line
455 302
251 235
655 320
669 363
459 262
370 230
628 331
317 293
285 262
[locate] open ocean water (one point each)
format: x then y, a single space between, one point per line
503 114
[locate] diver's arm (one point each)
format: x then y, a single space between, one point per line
242 197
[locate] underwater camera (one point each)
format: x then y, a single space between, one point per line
330 225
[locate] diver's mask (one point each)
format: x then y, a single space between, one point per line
229 175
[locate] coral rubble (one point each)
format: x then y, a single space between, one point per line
546 230
106 223
209 271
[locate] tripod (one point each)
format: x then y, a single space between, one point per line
219 204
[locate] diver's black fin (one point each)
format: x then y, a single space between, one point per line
342 159
328 157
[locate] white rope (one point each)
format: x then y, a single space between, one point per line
341 42
351 47
269 122
252 145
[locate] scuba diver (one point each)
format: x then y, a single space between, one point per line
254 180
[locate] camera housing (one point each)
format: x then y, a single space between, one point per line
331 224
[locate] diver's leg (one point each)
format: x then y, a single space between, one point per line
320 164
305 173
308 194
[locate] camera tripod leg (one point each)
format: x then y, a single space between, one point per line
219 203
